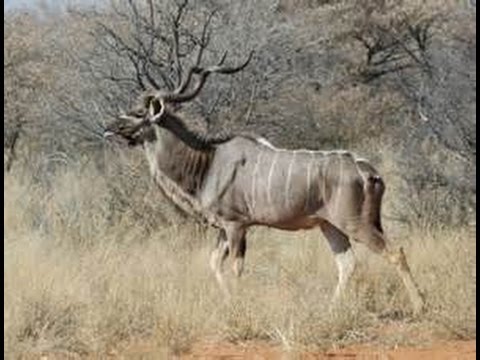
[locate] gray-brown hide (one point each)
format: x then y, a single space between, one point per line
239 181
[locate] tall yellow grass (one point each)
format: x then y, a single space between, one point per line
77 282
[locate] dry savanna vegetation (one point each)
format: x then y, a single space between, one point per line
98 261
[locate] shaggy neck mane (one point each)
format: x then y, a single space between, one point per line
192 139
190 156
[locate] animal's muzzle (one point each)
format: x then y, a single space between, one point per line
108 134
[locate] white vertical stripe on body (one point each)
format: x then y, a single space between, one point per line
324 178
289 179
339 187
269 181
309 185
254 180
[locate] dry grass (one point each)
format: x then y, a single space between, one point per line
78 283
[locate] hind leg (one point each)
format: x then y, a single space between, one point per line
344 257
217 258
375 241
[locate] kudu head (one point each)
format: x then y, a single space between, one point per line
155 107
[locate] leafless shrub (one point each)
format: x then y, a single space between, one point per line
324 76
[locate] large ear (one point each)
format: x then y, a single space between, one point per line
156 110
154 107
146 100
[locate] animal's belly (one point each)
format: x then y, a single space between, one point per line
279 209
302 223
293 217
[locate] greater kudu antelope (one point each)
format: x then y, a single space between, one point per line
238 181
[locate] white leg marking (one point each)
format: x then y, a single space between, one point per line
346 266
216 263
238 264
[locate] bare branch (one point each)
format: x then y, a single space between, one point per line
202 44
175 27
204 73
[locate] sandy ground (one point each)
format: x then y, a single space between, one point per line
438 351
448 350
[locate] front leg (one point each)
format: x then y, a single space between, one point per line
237 244
217 258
